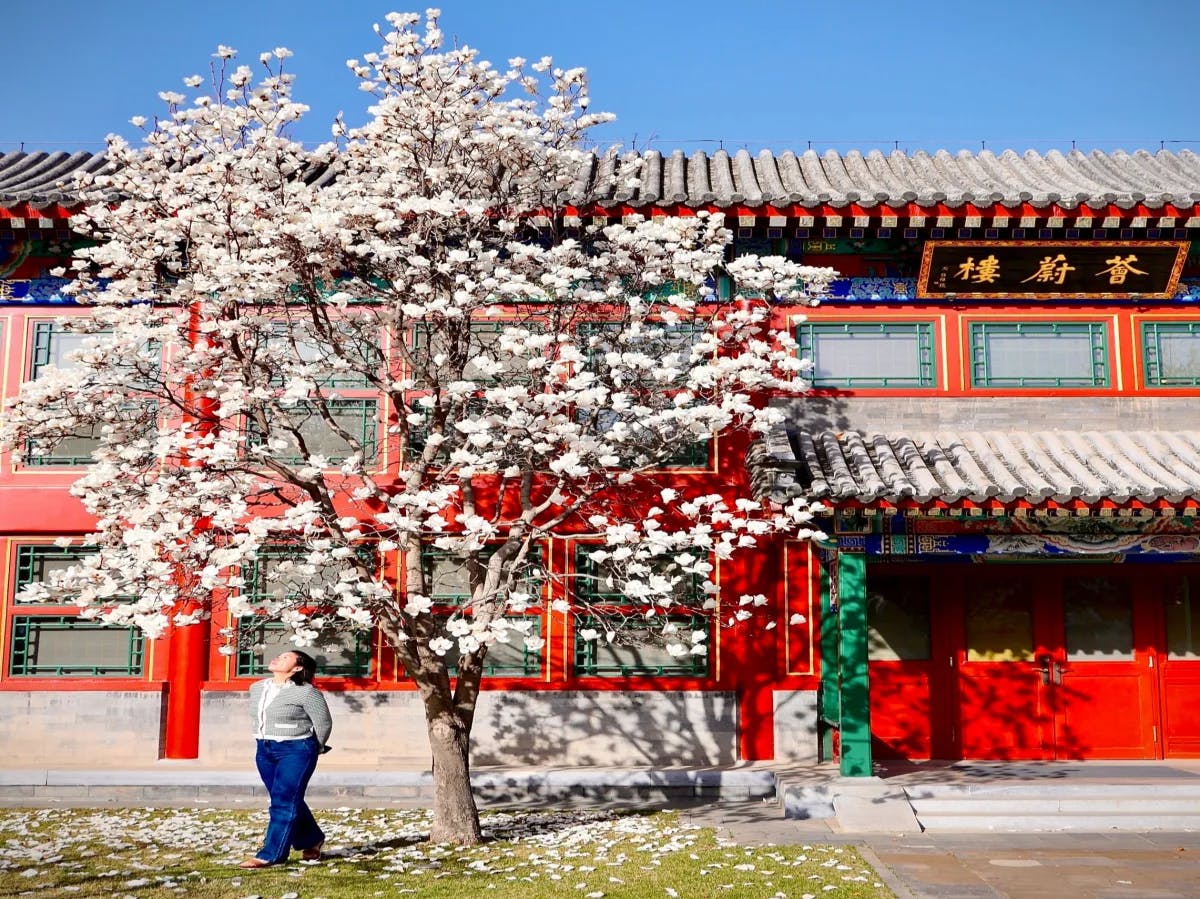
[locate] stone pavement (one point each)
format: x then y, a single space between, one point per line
986 865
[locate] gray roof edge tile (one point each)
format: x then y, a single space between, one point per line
1070 178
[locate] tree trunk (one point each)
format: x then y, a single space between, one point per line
455 817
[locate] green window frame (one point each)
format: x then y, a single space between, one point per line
589 585
32 633
1162 343
483 335
362 414
310 350
511 659
256 589
534 577
255 644
599 658
44 354
910 364
988 338
44 351
33 560
74 451
674 337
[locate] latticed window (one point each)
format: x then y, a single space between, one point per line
450 576
868 354
482 343
345 370
62 646
509 659
357 417
450 586
47 643
1171 353
637 645
631 653
52 344
37 563
341 654
279 575
1039 354
668 344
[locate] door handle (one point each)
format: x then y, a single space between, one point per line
1044 663
1058 670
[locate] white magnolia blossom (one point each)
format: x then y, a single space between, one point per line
303 360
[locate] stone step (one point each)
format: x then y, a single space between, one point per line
1056 805
183 783
1033 807
1090 823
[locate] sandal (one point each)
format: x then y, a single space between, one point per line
313 853
254 862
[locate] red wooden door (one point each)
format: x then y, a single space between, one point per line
908 676
1003 709
1178 664
1102 679
1054 663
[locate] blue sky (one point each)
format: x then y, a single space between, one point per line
699 74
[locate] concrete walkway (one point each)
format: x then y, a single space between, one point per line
988 866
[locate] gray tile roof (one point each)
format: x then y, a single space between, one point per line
44 179
1034 466
984 179
810 179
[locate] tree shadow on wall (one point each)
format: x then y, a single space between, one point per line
630 730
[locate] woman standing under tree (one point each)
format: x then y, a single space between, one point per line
292 726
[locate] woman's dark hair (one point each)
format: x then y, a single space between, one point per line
308 668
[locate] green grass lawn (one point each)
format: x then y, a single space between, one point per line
527 855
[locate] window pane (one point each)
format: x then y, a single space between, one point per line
483 343
1000 623
898 618
296 346
73 450
76 449
340 653
281 574
634 653
869 355
35 564
1183 619
1172 353
1098 614
596 582
510 659
52 345
1038 355
450 579
356 417
64 646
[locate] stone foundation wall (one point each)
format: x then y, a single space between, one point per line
511 728
78 728
796 726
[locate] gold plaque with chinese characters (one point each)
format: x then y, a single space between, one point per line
1080 269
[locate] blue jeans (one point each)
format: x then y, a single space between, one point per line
285 767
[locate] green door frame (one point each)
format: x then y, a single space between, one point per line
853 686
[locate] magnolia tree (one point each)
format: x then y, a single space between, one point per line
391 347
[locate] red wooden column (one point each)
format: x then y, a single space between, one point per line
187 669
187 665
750 654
